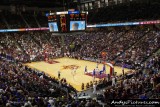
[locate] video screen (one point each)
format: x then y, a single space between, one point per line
77 25
53 27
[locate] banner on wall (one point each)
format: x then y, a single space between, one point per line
89 26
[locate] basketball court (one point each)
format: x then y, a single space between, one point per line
66 65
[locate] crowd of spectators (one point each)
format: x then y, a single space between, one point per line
142 84
123 43
9 46
128 47
50 50
30 46
92 43
138 87
138 53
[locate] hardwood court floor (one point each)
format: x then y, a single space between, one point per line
65 66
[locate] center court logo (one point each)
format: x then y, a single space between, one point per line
71 67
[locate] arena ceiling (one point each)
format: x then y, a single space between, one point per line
38 3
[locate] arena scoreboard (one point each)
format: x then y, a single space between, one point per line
67 21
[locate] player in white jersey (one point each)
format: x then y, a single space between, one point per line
74 71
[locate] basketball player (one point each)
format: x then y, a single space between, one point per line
59 74
94 74
96 70
85 71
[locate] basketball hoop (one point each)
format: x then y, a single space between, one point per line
104 54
